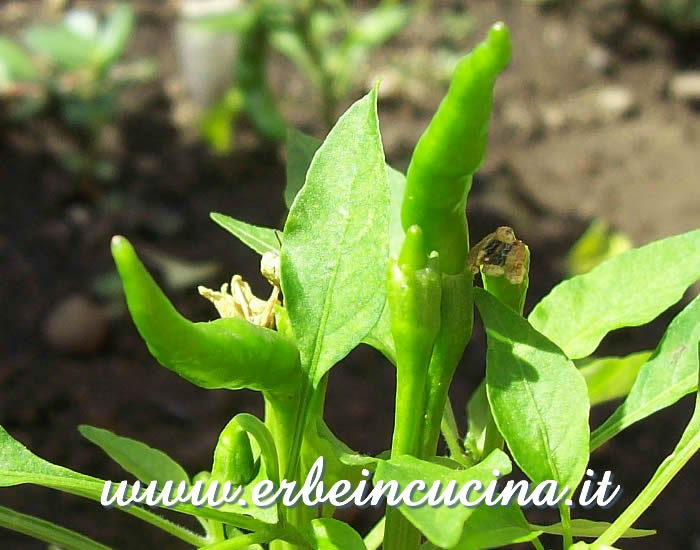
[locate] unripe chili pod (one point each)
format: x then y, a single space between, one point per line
451 150
226 353
413 292
233 456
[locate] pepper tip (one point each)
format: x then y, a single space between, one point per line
119 246
499 37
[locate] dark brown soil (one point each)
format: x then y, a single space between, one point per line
547 180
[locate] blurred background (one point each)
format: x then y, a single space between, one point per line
140 118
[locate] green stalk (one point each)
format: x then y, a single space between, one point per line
414 295
565 515
407 438
456 321
281 418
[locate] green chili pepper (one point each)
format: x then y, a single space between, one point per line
226 353
437 183
414 290
450 151
413 294
233 456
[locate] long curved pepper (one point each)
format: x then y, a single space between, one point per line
451 149
226 353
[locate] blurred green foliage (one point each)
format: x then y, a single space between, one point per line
598 243
73 67
326 41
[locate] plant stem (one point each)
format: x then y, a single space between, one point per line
375 537
411 373
455 331
280 417
325 78
281 413
565 514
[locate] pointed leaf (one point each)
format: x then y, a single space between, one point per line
528 381
144 462
441 525
628 290
338 222
260 239
667 376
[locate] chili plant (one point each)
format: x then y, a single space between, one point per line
368 255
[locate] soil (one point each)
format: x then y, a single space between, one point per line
555 162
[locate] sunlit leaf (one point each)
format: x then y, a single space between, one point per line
667 376
339 221
628 290
144 462
260 239
528 379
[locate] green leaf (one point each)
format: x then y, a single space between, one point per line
16 64
301 148
48 532
610 378
482 433
687 447
144 462
667 376
260 239
237 20
495 527
380 336
290 44
217 122
115 34
18 465
339 221
63 47
441 525
377 26
628 290
538 397
598 243
332 534
589 528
